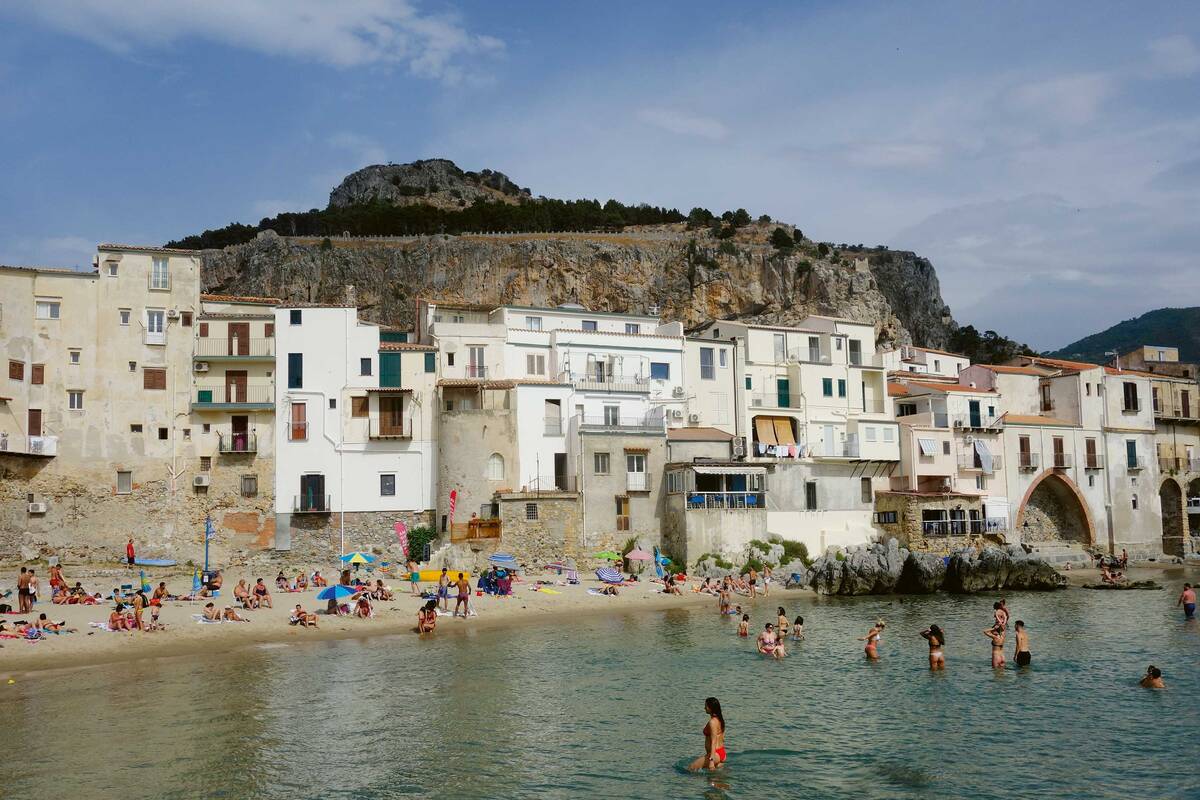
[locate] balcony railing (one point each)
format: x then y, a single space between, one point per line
311 504
847 449
475 529
235 347
628 424
978 422
1168 410
723 501
554 426
1167 464
963 527
1029 462
233 394
775 400
596 382
1093 461
1135 463
237 443
380 428
940 419
637 482
477 371
1060 460
34 445
809 355
971 462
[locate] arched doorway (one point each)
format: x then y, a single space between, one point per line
1170 499
1054 511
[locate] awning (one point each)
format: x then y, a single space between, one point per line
637 449
765 428
984 455
928 447
705 470
783 431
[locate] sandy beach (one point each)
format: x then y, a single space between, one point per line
184 635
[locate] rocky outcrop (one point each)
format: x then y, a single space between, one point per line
999 568
923 573
687 275
874 569
436 181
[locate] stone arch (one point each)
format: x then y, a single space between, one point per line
1174 525
1053 509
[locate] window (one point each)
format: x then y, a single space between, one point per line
431 362
47 309
294 316
1133 500
707 371
124 314
827 387
721 353
533 323
187 434
889 435
112 269
633 328
612 415
332 403
364 366
135 427
133 366
298 430
945 448
155 320
1130 395
160 276
295 370
716 333
749 383
1131 453
154 378
205 463
269 329
868 494
75 400
980 482
387 484
249 485
531 511
937 365
841 387
810 495
37 374
600 463
185 319
206 428
1087 388
360 406
535 364
855 352
674 482
660 371
1091 481
622 513
588 325
635 463
886 517
164 434
495 467
870 432
74 354
838 343
449 359
779 343
928 447
124 483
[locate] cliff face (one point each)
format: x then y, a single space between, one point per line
683 272
435 181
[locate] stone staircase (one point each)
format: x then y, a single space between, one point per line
1060 553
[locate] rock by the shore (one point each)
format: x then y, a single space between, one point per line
1146 584
923 573
999 568
873 569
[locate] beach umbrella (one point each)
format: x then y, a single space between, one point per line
503 560
358 558
639 555
558 565
607 555
336 592
609 575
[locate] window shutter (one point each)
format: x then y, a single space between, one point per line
360 406
204 329
16 370
185 319
37 374
269 329
154 379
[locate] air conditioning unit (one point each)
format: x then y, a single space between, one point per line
677 413
172 313
37 508
739 446
202 480
693 418
958 423
677 391
200 366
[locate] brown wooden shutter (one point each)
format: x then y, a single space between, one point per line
16 370
360 406
269 329
185 319
35 422
299 423
154 379
204 329
37 374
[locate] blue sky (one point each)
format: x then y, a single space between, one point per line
1044 155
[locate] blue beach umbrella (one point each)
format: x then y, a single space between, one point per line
358 558
503 560
609 575
336 592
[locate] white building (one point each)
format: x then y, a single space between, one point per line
925 361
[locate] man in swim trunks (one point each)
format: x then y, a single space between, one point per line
753 582
1021 652
464 594
414 577
1187 599
24 605
444 589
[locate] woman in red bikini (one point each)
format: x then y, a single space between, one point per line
714 738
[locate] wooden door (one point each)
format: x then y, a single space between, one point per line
391 415
35 422
239 339
239 427
1090 446
235 385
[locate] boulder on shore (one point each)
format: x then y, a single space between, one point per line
923 573
999 568
873 569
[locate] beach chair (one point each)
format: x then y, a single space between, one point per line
573 577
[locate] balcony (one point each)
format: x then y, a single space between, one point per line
235 348
1029 462
971 462
1169 410
726 501
383 428
1166 464
621 424
233 443
1093 461
554 426
1135 463
976 423
774 400
311 504
45 446
963 527
846 449
596 382
637 482
232 396
472 530
808 355
1060 460
477 371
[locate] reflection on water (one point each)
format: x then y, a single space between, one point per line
613 707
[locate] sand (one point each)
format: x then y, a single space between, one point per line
184 636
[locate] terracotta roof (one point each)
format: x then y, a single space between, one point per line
90 272
387 390
469 383
140 248
1008 369
316 305
235 298
949 387
698 435
1059 363
897 389
539 382
406 346
1035 419
1115 371
939 352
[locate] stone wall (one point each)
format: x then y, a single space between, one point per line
552 536
1174 519
1047 517
909 531
318 537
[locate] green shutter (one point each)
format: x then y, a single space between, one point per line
389 370
431 362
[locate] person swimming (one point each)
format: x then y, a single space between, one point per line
872 639
996 634
1152 679
937 640
714 738
768 643
798 630
744 626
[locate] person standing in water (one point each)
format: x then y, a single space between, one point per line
1152 679
872 639
781 623
996 634
1187 599
798 630
937 640
768 643
753 583
714 738
1000 614
444 589
1021 649
744 626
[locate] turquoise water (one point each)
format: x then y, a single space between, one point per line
612 707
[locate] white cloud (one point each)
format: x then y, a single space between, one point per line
684 123
1175 55
341 33
1068 99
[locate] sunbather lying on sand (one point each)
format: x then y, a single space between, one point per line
303 618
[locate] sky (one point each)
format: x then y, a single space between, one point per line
1044 156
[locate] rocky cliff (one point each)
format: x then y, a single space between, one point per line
690 275
435 181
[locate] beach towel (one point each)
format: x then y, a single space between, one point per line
201 619
597 592
544 590
101 625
